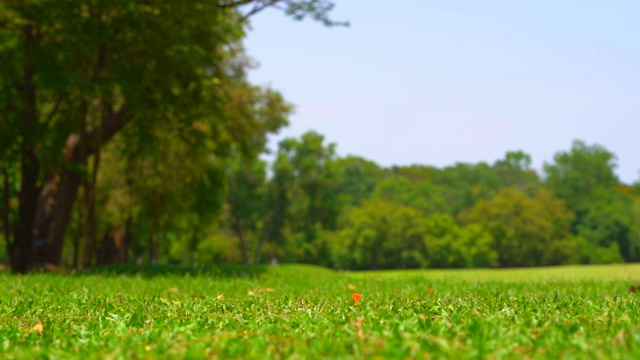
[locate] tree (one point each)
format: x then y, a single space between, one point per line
515 171
609 219
380 235
275 229
156 193
578 174
451 246
524 228
75 76
422 195
246 199
358 179
464 184
605 216
115 63
314 201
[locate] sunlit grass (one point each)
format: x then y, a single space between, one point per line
609 273
309 312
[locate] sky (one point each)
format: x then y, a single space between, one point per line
438 82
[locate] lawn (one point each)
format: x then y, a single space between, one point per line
295 311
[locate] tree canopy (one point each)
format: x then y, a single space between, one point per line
130 133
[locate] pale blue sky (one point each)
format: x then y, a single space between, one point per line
439 82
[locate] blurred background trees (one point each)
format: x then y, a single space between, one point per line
129 133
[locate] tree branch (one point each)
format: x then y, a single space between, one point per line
259 7
233 3
112 124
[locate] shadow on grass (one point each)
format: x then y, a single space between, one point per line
150 271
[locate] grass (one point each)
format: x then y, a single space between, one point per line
307 312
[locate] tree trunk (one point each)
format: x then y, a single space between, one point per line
29 192
237 228
52 234
60 192
23 233
263 238
89 230
77 243
154 247
374 258
114 246
6 198
90 241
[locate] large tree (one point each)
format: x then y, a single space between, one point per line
75 74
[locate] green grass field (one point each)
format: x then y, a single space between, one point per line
308 312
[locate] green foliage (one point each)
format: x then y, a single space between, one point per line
450 246
130 130
358 177
464 184
578 174
380 235
604 254
524 228
422 195
610 218
605 211
172 75
313 198
515 171
386 235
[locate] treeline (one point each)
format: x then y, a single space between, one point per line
129 133
350 213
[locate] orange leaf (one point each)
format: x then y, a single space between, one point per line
356 298
39 328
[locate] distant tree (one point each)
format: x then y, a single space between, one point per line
515 171
380 235
612 218
414 172
524 228
605 214
451 246
358 179
313 200
464 184
580 173
421 195
247 206
276 231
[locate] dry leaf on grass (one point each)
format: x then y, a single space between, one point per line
359 326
